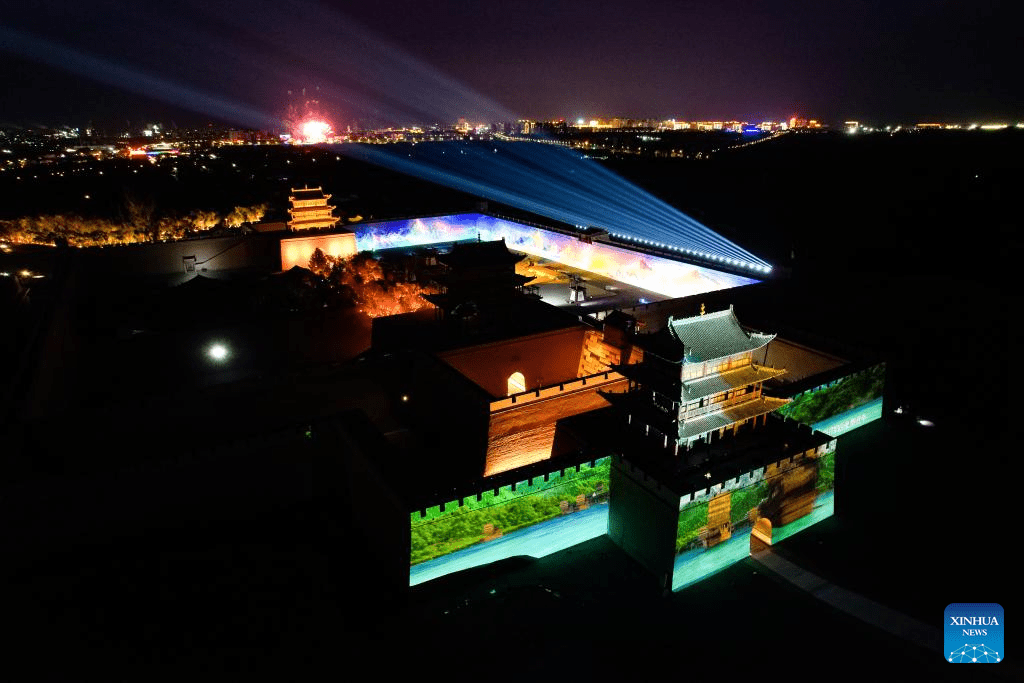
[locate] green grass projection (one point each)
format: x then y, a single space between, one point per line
691 519
846 394
440 533
743 500
826 472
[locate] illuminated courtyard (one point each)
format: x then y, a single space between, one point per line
614 275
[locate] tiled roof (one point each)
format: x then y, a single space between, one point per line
725 418
323 220
308 193
714 335
479 254
299 210
730 379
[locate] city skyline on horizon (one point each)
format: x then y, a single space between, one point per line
136 126
408 63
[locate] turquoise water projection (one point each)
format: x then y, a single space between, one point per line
715 524
533 519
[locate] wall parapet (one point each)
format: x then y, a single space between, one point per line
587 383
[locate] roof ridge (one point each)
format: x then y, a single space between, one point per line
705 316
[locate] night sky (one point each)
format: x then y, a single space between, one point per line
368 63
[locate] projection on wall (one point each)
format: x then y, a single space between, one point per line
296 251
845 404
721 525
659 275
533 519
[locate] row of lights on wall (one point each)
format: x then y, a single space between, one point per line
712 257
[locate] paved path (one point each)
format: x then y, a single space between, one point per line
878 615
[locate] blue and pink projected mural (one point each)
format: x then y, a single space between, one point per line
656 274
533 518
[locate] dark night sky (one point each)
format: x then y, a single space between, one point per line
415 61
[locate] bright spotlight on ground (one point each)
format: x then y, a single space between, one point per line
218 352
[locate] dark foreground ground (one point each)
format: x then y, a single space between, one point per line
286 589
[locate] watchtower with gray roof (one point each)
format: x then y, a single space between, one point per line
698 380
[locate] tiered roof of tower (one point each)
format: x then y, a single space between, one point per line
309 209
704 338
477 271
698 378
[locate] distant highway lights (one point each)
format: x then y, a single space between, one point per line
218 352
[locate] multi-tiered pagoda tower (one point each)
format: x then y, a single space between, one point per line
309 209
698 381
702 462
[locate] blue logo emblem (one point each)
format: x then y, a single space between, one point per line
973 633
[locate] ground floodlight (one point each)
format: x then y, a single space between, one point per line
218 352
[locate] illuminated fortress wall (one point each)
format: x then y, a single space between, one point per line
656 274
522 427
842 405
722 524
542 359
296 251
534 518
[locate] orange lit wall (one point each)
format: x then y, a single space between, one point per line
295 251
544 359
522 431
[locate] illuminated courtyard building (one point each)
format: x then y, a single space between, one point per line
524 363
674 430
702 456
310 210
510 421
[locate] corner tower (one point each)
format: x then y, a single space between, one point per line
698 380
309 209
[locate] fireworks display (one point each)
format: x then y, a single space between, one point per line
307 123
314 131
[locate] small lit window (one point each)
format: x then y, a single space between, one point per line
516 383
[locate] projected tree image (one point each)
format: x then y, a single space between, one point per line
692 519
714 528
844 405
535 519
